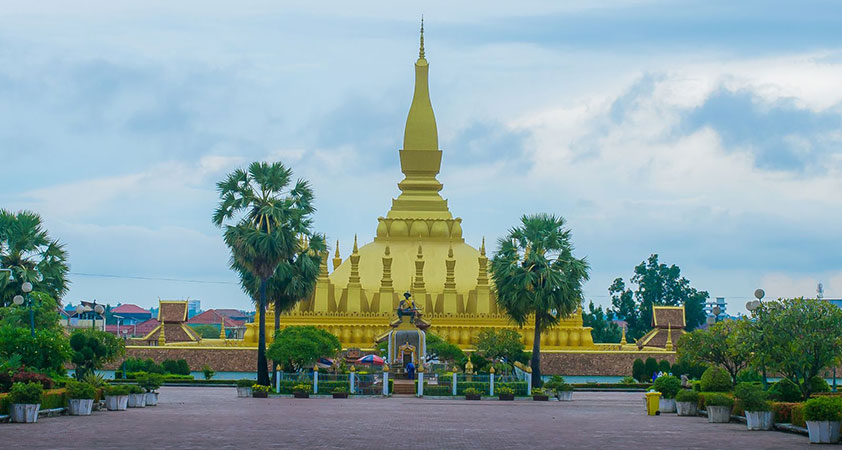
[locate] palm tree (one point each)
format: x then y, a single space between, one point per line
27 250
536 277
263 218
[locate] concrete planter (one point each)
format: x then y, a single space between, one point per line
243 392
80 406
151 399
666 405
687 408
760 420
340 395
719 414
27 412
472 396
259 394
137 401
300 395
116 402
565 396
506 396
541 398
823 432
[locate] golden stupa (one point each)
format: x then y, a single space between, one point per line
418 248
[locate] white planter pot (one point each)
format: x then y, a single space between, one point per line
243 392
26 412
151 399
565 396
666 405
116 402
137 401
760 420
719 414
686 408
823 432
80 406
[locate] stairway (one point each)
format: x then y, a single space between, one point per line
403 387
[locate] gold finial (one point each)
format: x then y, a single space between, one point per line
355 244
420 253
278 367
482 247
421 50
450 251
492 369
385 367
353 369
316 367
337 249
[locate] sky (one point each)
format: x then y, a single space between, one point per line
707 132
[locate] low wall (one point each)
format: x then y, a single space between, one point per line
220 359
596 363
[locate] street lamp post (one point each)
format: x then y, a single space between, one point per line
752 306
96 309
20 299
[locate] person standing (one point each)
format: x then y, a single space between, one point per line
410 370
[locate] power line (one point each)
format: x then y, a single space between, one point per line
129 277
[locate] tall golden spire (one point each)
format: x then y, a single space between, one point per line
337 258
421 49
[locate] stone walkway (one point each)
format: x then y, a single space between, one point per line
214 418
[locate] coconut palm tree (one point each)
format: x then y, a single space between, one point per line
29 254
537 278
263 218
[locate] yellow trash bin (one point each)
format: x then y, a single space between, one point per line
652 401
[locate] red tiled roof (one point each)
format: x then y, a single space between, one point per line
230 312
144 328
129 308
214 317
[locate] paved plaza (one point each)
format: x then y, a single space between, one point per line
215 418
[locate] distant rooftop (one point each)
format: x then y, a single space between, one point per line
129 308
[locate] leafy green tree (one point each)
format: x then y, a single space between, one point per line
206 331
604 328
499 344
49 349
655 284
797 338
31 255
721 344
537 278
264 220
439 349
299 347
92 349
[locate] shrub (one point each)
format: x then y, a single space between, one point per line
438 391
340 390
823 409
208 372
179 367
503 390
141 365
749 375
639 371
520 387
538 391
554 383
29 393
686 395
135 389
26 376
798 415
667 385
818 385
302 388
244 382
752 397
650 367
260 388
95 380
785 391
472 391
93 348
664 366
150 382
116 390
628 380
783 411
719 400
78 389
716 379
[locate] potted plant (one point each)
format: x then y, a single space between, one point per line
340 392
26 401
668 386
472 394
823 415
687 402
301 390
80 398
505 393
260 390
116 398
150 383
560 389
137 397
759 415
719 408
244 388
539 395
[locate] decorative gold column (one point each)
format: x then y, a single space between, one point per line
386 287
320 296
337 259
450 298
484 305
419 290
355 300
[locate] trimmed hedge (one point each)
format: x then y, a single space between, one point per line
612 385
704 395
439 390
798 416
783 411
53 398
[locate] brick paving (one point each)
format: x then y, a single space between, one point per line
214 418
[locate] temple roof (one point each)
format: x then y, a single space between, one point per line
668 317
172 311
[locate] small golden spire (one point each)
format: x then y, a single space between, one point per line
222 329
420 253
356 250
337 249
623 339
421 49
669 336
482 247
161 338
337 258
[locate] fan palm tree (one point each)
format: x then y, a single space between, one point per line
262 218
28 252
537 278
